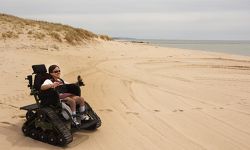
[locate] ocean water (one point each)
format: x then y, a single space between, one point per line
231 47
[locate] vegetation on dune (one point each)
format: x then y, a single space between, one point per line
42 29
105 37
39 35
9 34
56 36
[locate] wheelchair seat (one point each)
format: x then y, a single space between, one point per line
50 96
47 97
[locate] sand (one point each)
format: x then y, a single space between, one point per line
148 97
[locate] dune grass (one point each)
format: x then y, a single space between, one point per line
105 37
42 29
9 34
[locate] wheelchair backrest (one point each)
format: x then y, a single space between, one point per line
43 98
50 96
41 75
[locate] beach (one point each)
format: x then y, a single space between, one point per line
148 97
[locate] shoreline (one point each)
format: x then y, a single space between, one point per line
233 47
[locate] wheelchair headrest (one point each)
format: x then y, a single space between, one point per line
39 69
41 75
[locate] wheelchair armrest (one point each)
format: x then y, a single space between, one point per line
49 97
79 83
74 89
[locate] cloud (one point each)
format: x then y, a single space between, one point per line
193 19
120 6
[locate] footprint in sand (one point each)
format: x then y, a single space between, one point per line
107 110
7 123
243 102
218 108
197 108
19 116
156 110
178 110
134 113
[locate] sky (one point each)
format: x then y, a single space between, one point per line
143 19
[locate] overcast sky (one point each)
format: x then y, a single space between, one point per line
148 19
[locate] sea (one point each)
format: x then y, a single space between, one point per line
225 46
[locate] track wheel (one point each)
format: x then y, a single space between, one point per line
61 140
25 130
41 115
43 136
30 114
34 133
52 139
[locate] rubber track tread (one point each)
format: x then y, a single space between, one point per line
61 128
94 115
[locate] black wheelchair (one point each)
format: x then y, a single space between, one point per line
49 120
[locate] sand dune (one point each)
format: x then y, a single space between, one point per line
148 97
